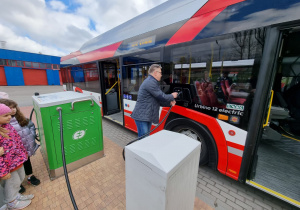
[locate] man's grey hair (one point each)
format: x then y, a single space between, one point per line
153 67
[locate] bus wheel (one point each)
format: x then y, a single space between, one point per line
193 133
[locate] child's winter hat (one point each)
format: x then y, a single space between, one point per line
4 109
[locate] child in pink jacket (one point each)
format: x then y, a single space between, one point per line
11 162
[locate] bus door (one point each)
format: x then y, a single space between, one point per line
133 77
277 170
110 88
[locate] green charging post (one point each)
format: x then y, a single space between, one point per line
82 130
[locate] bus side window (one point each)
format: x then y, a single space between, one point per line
220 73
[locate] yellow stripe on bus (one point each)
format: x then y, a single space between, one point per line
274 192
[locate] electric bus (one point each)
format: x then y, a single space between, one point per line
237 65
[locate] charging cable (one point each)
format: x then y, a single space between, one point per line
143 136
59 109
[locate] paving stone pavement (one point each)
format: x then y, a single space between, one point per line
99 185
213 188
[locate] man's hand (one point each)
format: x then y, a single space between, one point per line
175 94
173 103
7 176
1 151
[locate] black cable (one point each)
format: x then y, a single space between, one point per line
143 136
31 114
36 94
30 118
59 109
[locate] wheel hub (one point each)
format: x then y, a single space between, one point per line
190 134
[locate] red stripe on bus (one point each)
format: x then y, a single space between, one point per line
127 111
214 5
193 27
71 55
215 129
104 52
129 123
236 146
234 166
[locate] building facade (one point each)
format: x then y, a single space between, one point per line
23 68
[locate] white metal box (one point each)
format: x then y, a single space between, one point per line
161 172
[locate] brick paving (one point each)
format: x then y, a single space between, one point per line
214 190
98 185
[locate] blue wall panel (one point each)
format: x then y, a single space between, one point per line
55 60
14 76
53 77
56 77
25 56
49 77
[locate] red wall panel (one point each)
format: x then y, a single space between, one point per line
60 78
2 76
35 77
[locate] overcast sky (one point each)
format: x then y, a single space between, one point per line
59 27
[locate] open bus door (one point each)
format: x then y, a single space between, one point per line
110 88
277 166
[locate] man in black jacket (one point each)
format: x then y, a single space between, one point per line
150 98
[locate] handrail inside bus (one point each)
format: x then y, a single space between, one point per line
111 88
269 111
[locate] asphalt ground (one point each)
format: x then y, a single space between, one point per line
214 190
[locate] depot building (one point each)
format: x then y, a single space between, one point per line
23 68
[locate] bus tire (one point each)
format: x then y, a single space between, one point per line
192 131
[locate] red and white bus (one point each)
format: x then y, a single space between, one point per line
237 63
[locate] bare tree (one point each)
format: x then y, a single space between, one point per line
250 43
260 35
245 45
240 39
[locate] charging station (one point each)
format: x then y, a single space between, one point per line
82 126
161 172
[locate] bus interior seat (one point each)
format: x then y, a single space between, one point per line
286 105
201 93
233 95
279 108
222 83
206 94
279 113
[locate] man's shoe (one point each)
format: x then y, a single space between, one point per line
24 197
16 204
22 190
33 180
